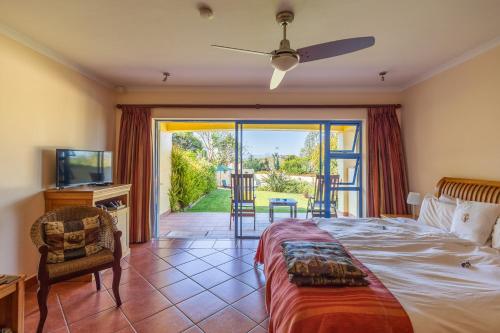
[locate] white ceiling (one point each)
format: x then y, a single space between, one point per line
130 42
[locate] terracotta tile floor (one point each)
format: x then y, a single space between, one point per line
174 285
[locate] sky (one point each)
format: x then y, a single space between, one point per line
264 143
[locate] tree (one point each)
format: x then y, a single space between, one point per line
295 165
311 142
312 151
187 141
257 164
218 146
224 145
208 144
276 161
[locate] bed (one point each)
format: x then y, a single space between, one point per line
419 267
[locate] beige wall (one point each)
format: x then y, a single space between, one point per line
43 105
451 123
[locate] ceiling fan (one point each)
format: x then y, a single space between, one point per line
286 58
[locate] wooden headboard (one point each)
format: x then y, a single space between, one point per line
469 189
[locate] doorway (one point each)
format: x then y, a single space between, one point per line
337 150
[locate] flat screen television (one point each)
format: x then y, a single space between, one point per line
83 167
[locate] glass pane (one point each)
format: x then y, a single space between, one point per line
345 197
347 203
344 138
347 171
283 160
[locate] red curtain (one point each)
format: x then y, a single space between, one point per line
135 167
387 177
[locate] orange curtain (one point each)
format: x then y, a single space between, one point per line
387 176
135 167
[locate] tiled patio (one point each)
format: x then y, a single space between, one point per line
211 225
167 286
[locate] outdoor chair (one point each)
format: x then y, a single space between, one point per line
246 198
316 202
50 273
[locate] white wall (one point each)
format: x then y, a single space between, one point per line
165 170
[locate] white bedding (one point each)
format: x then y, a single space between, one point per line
421 266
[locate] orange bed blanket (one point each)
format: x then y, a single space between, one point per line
293 309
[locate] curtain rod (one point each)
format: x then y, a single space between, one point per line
260 106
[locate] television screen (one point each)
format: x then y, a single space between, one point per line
79 167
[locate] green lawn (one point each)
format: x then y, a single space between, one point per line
219 201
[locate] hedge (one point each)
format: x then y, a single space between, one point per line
191 179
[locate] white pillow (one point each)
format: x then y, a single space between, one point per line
448 199
445 213
436 213
495 240
474 220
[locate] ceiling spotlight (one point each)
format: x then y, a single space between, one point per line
205 11
382 75
120 89
166 75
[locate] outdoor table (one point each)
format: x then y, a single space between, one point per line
282 202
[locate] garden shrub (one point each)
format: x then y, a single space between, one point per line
277 181
298 186
191 179
295 165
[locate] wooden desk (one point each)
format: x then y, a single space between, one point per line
12 305
93 196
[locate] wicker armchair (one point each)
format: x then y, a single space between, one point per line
108 257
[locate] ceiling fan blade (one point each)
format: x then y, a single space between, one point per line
241 50
335 48
276 79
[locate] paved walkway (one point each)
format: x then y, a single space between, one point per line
211 225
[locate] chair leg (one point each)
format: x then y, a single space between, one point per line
307 210
335 211
97 276
42 295
230 217
117 274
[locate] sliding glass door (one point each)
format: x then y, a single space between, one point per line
294 155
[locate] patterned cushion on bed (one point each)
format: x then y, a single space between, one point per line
69 240
315 259
327 281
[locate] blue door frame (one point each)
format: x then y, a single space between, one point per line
325 126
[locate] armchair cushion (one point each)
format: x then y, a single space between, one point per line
69 240
102 257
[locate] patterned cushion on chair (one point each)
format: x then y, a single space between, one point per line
68 240
104 256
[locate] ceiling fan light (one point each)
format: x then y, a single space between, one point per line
284 61
276 79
